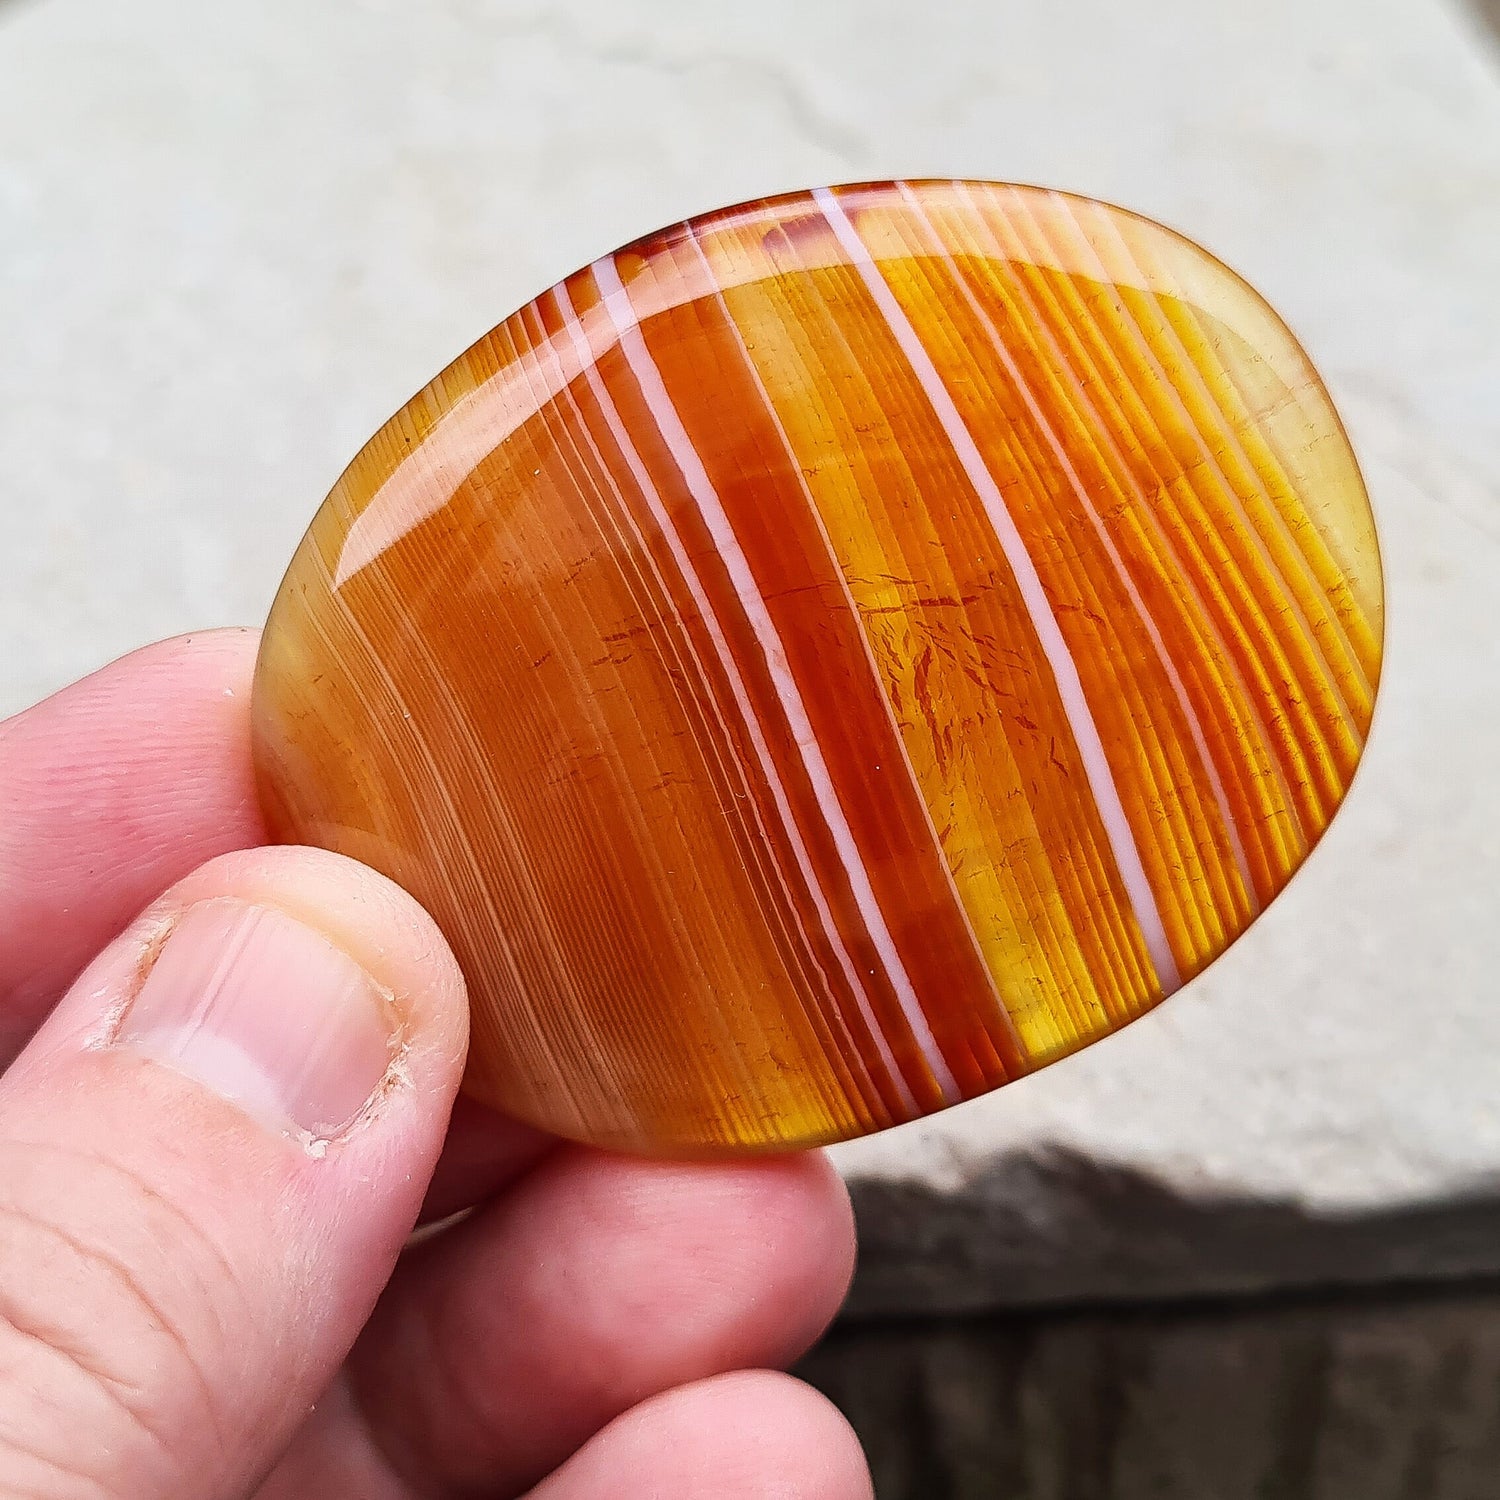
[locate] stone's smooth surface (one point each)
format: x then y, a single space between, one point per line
827 659
831 657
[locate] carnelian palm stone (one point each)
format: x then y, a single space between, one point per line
834 657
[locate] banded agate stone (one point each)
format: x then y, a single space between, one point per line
834 657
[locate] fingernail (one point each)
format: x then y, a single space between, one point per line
266 1012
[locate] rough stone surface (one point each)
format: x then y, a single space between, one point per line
1323 1400
234 238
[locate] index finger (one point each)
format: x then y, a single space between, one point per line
110 791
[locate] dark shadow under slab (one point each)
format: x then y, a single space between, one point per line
1488 13
1065 1230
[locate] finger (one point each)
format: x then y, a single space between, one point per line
597 1282
210 1157
484 1152
739 1437
109 791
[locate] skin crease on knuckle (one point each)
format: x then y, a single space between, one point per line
95 1339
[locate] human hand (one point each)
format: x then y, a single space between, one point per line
214 1146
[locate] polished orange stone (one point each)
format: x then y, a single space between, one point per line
834 656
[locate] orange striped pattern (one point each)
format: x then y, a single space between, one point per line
834 656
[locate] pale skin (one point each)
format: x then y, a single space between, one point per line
199 1303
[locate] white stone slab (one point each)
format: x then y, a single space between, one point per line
234 238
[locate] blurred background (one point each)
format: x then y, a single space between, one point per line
1251 1247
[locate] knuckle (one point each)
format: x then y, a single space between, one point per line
103 1334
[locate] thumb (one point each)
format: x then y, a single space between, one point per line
210 1157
